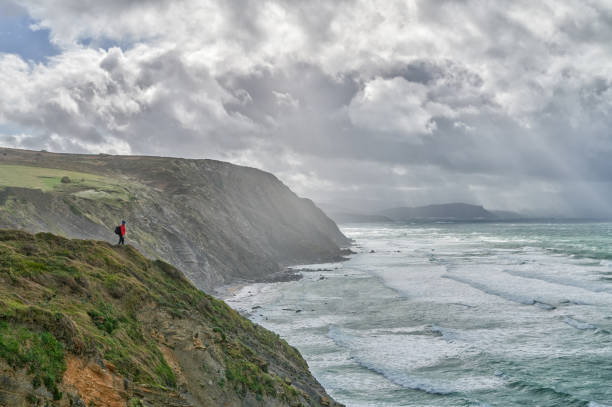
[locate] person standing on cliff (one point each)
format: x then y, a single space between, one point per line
122 233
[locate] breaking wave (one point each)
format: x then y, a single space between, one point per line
520 299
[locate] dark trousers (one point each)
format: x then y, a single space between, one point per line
121 240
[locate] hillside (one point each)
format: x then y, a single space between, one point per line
219 223
85 323
452 211
352 217
340 214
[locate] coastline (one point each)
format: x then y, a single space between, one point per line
239 293
226 291
240 289
358 323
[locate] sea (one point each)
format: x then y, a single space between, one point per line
453 314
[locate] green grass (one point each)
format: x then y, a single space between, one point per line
102 317
248 376
90 297
45 179
165 372
83 185
41 353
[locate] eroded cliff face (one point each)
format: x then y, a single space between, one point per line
84 323
219 223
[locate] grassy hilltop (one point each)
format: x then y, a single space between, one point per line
219 223
86 323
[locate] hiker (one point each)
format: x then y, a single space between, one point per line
120 230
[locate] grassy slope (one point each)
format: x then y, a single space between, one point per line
81 184
64 298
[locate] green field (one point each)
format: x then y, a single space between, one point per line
50 179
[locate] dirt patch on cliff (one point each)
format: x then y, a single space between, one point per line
93 383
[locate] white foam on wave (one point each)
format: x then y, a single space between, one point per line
453 307
520 299
245 298
398 358
595 286
606 263
318 266
446 334
530 287
583 326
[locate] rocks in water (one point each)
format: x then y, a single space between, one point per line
292 310
283 277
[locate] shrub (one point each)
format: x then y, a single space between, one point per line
103 318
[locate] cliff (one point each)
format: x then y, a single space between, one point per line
219 223
84 323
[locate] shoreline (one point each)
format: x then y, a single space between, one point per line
289 273
235 292
226 291
392 321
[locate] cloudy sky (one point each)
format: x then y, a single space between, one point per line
364 103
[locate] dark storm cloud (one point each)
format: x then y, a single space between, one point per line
366 103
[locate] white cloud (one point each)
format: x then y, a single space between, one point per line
480 93
394 106
286 100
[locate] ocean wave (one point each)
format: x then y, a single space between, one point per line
399 371
316 267
603 254
559 397
422 330
583 326
520 299
446 334
594 286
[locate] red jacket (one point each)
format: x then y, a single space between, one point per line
122 229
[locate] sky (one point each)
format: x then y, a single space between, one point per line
365 104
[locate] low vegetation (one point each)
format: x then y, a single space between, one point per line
81 184
40 353
95 301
